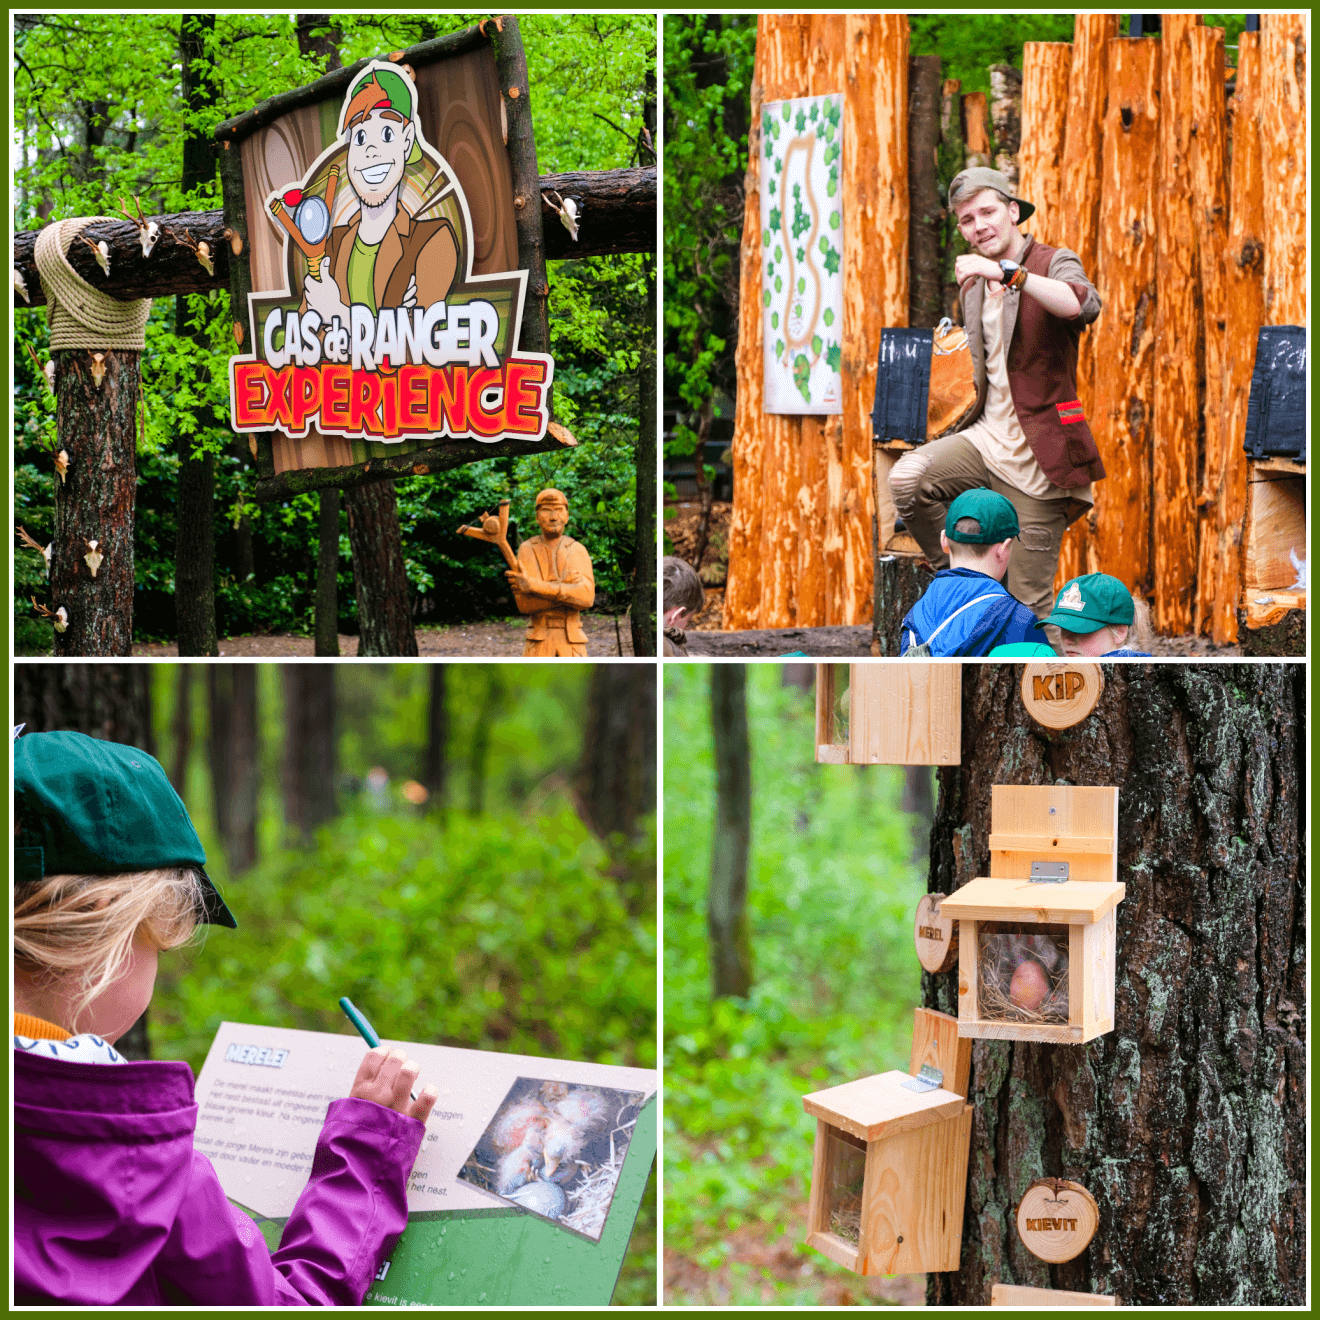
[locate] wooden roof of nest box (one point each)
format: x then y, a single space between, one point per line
889 713
1050 900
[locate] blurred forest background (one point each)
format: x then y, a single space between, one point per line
812 985
466 851
98 114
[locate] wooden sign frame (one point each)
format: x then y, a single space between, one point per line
481 125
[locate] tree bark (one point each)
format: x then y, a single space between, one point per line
182 728
103 701
327 573
925 209
309 747
380 577
96 427
490 704
323 45
952 158
726 908
233 755
436 774
615 778
642 617
1006 116
194 544
1187 1121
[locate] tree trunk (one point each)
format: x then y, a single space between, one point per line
233 754
644 565
182 728
327 573
309 747
104 701
194 544
802 677
380 576
437 738
952 158
322 45
1186 1123
97 428
1006 116
615 778
919 802
726 908
924 207
490 704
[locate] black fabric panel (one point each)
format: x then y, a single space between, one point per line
902 385
1276 406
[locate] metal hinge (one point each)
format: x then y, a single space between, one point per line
929 1078
1049 873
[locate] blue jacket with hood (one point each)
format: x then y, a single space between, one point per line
999 621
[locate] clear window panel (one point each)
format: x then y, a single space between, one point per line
845 1169
1022 972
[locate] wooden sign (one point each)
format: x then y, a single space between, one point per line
936 936
1061 693
802 254
385 310
1057 1219
1012 1294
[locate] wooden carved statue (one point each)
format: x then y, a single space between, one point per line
551 576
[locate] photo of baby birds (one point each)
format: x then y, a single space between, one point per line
556 1150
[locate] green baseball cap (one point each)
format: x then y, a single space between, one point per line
89 807
1088 603
995 513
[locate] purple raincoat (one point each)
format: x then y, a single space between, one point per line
114 1207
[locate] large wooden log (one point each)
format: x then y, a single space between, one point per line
1125 332
1177 334
1083 158
1045 69
784 76
1209 168
742 592
816 642
618 214
875 262
1283 131
1244 294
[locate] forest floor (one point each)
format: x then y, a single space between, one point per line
489 637
767 1264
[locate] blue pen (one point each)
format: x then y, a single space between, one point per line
365 1029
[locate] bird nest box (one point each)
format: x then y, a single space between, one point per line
889 714
1036 936
890 1165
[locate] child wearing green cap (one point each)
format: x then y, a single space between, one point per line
967 610
1097 616
113 1205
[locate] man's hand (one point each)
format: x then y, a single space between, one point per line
967 267
323 296
529 586
386 1076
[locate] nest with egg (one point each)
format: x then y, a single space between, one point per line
1022 972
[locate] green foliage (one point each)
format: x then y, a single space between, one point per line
831 890
98 115
969 44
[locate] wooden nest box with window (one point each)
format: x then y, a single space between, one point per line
889 1174
1036 936
889 714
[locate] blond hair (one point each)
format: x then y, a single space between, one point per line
81 928
1139 636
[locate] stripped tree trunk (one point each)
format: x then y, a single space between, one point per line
1187 1121
1045 69
97 427
309 747
380 576
726 907
1283 135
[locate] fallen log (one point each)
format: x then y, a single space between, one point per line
815 642
616 213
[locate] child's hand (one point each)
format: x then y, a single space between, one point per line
386 1076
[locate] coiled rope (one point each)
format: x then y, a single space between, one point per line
79 314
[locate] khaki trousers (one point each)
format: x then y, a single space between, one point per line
925 481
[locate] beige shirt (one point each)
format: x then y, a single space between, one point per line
996 433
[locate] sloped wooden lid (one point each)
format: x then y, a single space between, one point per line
881 1106
1073 903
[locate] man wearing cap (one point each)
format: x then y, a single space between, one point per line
382 257
966 610
554 582
1024 307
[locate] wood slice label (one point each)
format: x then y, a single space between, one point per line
936 936
1061 693
1057 1219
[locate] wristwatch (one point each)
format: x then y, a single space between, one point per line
1014 276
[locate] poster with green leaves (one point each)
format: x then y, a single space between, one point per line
802 253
